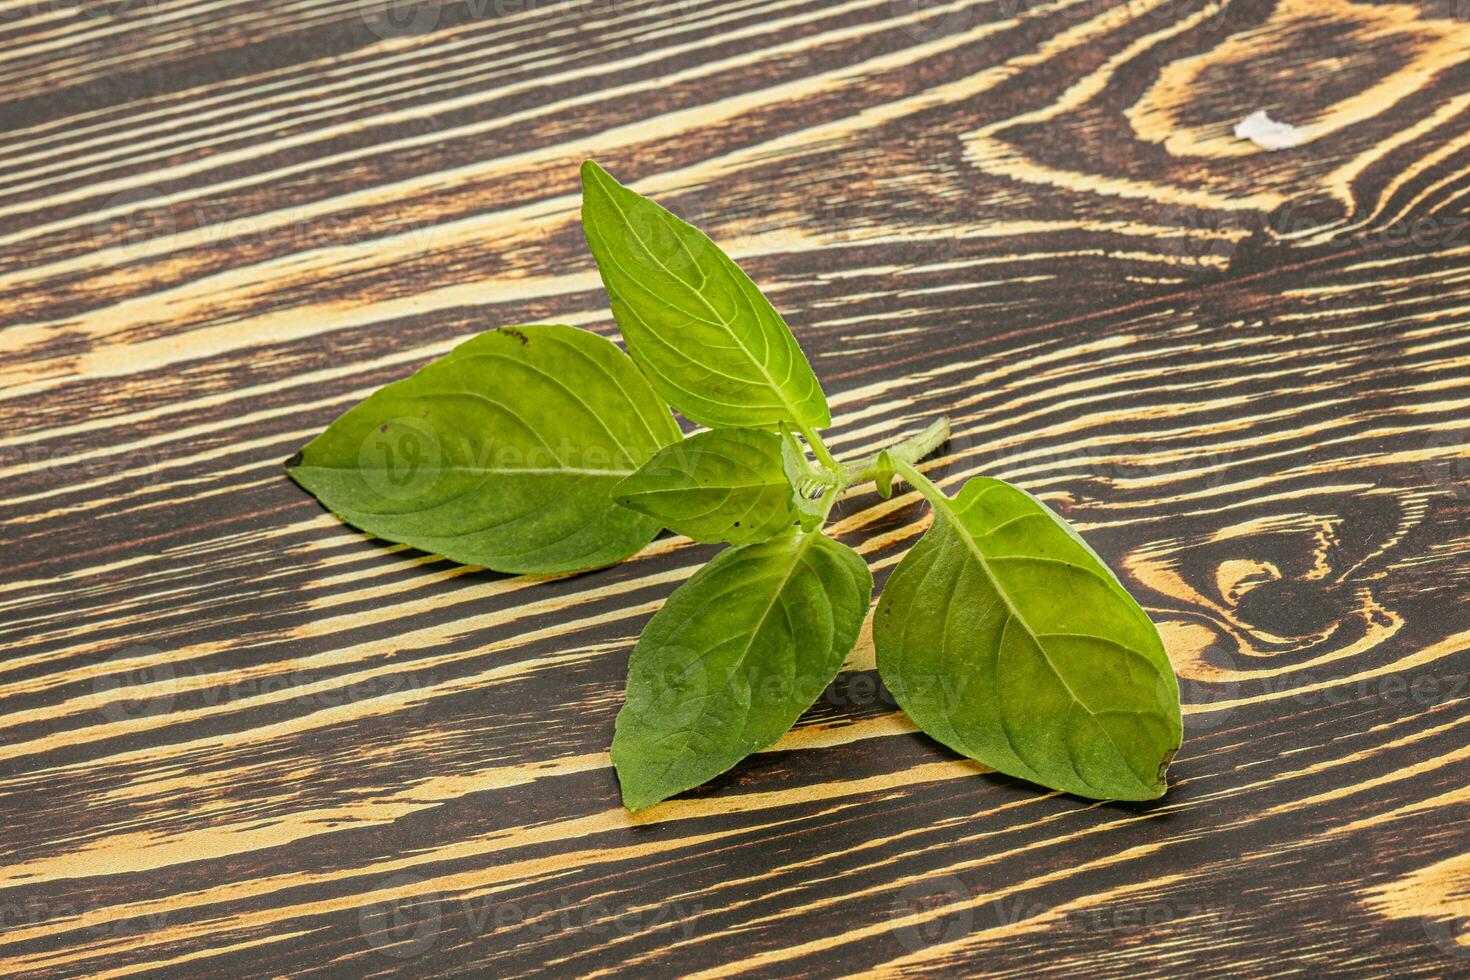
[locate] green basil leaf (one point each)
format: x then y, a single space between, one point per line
707 338
502 453
720 485
1004 636
809 484
733 659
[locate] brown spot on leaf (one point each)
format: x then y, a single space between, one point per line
1164 764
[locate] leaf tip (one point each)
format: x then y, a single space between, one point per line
294 461
591 171
624 491
636 798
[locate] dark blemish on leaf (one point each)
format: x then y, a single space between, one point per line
516 334
383 427
294 460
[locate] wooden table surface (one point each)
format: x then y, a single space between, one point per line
244 740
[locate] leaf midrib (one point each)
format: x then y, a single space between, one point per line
480 470
696 487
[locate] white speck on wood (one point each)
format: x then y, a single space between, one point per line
1267 133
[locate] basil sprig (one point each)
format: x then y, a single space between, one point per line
546 449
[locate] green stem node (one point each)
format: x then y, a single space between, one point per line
910 450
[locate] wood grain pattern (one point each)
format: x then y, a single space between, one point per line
241 739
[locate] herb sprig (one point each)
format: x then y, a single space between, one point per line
545 449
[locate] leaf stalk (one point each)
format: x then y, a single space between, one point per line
909 450
921 483
819 448
864 469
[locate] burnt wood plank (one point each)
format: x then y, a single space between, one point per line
242 739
